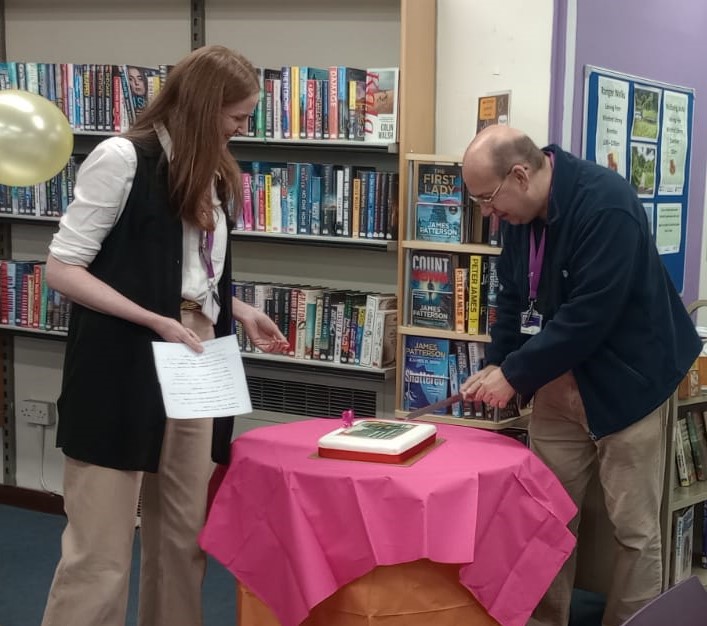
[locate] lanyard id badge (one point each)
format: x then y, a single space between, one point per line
212 303
531 321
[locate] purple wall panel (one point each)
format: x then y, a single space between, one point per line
652 39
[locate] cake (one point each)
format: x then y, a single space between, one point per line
382 441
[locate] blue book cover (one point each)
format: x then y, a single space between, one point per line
438 222
440 183
432 289
426 373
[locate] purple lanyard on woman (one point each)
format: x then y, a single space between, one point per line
206 245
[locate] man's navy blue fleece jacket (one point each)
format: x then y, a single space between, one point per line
611 313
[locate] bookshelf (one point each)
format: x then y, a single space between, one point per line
404 36
406 328
675 496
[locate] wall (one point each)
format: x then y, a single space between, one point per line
651 39
485 47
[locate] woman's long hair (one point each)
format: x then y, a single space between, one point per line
190 105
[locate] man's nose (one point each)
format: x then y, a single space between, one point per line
486 209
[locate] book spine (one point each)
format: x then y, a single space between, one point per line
474 311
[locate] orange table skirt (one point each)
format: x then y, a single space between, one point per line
419 593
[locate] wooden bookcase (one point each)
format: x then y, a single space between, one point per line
676 497
407 243
316 33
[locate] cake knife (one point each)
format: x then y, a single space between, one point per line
433 407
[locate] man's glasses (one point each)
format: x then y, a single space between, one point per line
490 197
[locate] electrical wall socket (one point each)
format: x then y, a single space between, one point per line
37 412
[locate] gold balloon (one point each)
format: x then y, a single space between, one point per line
35 138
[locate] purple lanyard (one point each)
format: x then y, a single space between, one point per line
535 258
206 245
535 263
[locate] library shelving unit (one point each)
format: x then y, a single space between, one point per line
675 496
283 384
408 243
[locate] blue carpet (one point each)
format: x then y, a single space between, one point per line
30 545
30 548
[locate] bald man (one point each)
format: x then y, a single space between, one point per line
590 324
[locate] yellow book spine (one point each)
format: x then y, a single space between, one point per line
474 294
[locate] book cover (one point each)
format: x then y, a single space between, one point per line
492 294
478 288
461 282
698 445
439 183
357 110
381 110
683 440
135 81
344 77
426 372
432 289
384 343
375 303
456 407
683 524
438 222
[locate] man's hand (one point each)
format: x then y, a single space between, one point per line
490 386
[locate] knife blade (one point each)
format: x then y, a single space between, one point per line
433 407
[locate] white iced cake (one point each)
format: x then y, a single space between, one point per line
387 441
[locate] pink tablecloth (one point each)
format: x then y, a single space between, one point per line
294 529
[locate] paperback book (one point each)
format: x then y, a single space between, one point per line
438 222
432 289
426 372
439 183
381 125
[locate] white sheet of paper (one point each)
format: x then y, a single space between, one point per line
209 384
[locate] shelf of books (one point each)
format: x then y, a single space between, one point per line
443 334
318 144
495 422
461 248
690 443
448 257
380 245
349 369
688 544
59 335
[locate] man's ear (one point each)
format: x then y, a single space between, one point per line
521 173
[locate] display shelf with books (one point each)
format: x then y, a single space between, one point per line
461 248
374 373
332 145
447 260
486 424
57 335
377 245
685 482
442 334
